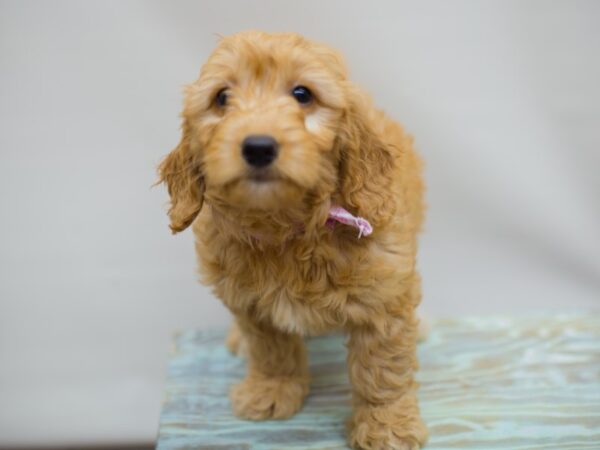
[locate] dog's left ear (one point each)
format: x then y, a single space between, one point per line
366 162
181 172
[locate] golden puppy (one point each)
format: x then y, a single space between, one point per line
312 205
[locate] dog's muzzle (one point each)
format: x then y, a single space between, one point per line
259 150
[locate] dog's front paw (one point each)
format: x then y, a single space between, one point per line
259 398
386 428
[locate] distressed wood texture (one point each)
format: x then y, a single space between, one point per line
486 383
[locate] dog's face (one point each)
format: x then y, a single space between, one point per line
260 127
265 113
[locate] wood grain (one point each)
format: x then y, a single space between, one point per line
486 383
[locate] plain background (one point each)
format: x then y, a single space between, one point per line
503 98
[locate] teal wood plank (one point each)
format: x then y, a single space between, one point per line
486 384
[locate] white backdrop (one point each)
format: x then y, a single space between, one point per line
503 99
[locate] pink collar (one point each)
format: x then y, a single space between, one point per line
336 214
339 214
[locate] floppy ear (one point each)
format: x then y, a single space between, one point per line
366 162
181 172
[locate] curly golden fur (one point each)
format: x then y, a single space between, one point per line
262 244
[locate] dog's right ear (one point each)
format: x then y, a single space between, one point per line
181 172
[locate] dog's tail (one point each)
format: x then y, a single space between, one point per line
424 327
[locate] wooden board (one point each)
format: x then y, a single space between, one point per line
486 383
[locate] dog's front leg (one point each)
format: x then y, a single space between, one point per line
277 379
382 362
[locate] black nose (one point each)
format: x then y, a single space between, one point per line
259 150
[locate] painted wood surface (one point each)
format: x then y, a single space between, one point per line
486 383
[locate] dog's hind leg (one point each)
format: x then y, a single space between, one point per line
234 341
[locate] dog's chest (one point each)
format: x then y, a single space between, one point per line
306 297
300 292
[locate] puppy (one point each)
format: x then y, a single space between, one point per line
305 202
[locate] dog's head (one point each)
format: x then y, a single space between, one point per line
272 121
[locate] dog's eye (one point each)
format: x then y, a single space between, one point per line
221 98
302 94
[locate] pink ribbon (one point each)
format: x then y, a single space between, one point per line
339 214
